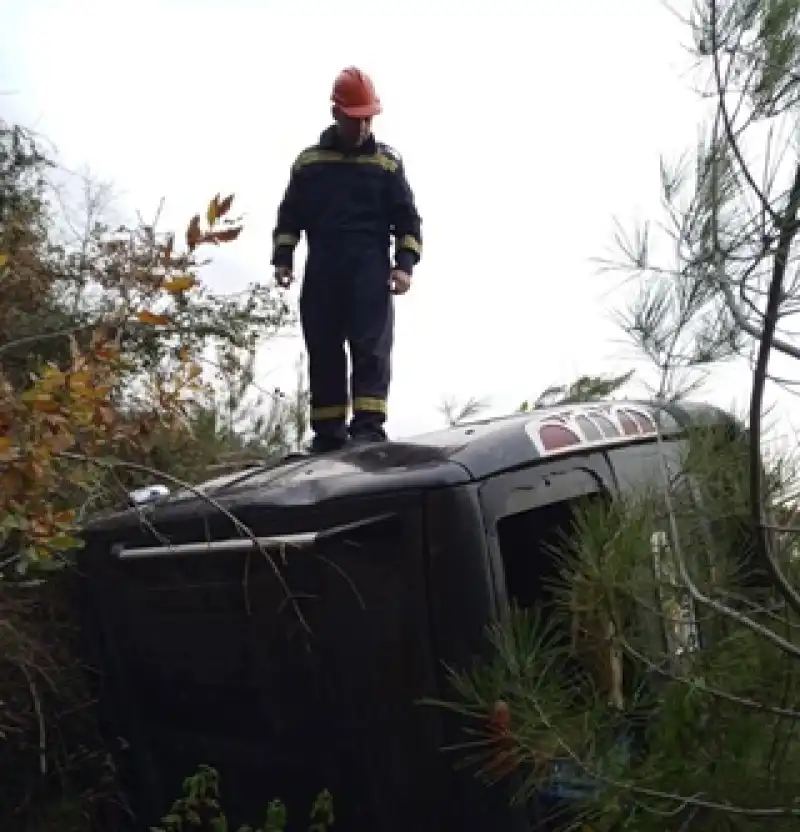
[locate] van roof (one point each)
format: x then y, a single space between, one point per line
458 454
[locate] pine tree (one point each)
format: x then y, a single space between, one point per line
660 681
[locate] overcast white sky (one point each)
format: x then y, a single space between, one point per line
526 127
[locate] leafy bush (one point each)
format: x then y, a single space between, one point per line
199 809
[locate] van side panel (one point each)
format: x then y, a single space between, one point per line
217 668
463 601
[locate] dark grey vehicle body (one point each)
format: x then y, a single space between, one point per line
390 568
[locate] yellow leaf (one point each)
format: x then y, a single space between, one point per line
211 212
3 260
150 318
39 400
79 380
180 284
6 448
52 379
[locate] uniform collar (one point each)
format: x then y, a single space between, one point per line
329 140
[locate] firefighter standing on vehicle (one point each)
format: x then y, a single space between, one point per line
350 195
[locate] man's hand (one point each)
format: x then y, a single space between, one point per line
399 282
283 276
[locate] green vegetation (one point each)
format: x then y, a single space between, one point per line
118 368
200 810
660 682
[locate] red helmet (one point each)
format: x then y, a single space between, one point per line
354 94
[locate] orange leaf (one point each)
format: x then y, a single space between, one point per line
180 284
6 449
146 317
193 233
44 404
103 416
225 206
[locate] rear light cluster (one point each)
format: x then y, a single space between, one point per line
588 425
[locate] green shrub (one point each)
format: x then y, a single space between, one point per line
200 809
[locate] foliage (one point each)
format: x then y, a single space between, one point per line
656 682
57 772
703 274
106 334
120 370
605 690
583 389
200 809
234 424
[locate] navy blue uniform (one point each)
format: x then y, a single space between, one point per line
349 203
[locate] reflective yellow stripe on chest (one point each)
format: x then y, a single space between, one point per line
380 160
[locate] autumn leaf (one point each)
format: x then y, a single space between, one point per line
224 206
74 403
45 404
180 284
79 381
226 236
7 451
103 416
193 233
212 213
152 319
38 400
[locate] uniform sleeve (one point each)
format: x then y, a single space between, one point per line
406 222
289 225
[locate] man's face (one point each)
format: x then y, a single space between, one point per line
354 131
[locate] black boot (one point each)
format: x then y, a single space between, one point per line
367 434
322 444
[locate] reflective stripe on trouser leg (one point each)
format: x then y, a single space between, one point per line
327 361
370 332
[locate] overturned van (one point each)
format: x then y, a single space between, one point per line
282 624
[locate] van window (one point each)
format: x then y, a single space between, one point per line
525 542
